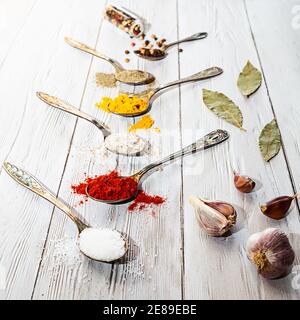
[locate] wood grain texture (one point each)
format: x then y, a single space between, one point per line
171 258
13 17
218 268
281 70
155 272
34 136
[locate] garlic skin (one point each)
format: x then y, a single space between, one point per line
277 208
214 217
243 183
271 252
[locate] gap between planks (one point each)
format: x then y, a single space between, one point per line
182 262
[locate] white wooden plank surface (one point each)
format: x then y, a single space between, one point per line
281 69
158 239
174 258
37 61
13 17
218 268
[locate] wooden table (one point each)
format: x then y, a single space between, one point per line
175 259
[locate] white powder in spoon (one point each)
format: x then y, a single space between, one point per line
127 144
102 244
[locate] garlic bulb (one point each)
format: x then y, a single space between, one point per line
215 217
271 252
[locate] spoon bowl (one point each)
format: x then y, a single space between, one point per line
146 77
208 141
157 92
162 53
28 181
123 75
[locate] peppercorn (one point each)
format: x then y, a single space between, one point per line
127 51
180 50
127 60
146 43
132 44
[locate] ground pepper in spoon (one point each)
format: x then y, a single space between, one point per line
133 77
100 244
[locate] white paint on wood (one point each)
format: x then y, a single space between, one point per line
174 258
155 273
34 136
218 268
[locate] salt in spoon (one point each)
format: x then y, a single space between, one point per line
121 72
28 181
162 53
211 139
152 95
107 134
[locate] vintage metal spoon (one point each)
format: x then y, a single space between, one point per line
160 54
121 74
152 95
208 141
28 181
142 144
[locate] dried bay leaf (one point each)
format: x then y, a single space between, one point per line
269 140
223 107
249 79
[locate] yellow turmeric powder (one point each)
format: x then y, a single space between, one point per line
123 104
145 122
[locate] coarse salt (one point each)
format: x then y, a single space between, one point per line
102 244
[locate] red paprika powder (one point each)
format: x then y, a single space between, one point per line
113 187
144 200
107 187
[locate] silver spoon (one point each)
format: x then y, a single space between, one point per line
28 181
152 95
159 54
122 74
208 141
142 144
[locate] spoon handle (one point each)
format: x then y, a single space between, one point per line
83 47
204 74
64 106
28 181
208 141
196 36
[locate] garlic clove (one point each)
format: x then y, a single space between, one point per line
243 183
215 217
277 208
270 251
225 208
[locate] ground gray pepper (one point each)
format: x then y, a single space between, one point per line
106 80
